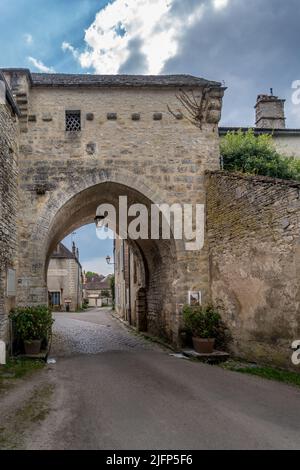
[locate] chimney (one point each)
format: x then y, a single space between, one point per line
270 112
73 249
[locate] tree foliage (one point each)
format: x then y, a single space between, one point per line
90 274
247 153
112 288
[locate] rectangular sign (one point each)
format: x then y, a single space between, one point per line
11 282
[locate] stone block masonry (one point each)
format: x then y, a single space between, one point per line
8 210
253 228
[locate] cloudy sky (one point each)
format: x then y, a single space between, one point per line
251 45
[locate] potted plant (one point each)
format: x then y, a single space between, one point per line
32 325
203 323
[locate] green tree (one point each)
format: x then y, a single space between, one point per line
90 274
112 289
247 153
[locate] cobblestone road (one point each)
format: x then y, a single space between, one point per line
91 332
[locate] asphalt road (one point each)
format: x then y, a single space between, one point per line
117 391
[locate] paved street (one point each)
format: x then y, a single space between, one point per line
110 389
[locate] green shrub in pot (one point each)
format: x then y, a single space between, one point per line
205 325
32 325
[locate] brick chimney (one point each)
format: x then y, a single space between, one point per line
270 112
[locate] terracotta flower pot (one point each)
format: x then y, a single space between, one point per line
203 345
33 347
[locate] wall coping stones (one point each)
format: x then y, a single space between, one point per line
255 178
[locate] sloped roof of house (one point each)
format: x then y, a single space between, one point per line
78 80
62 252
61 79
97 285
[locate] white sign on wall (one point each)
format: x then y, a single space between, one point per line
11 282
195 298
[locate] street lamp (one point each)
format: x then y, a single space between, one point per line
98 219
108 260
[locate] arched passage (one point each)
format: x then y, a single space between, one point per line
157 258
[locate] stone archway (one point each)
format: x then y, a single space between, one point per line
64 213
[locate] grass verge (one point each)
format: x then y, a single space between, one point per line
270 373
18 367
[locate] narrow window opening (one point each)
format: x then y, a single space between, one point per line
73 121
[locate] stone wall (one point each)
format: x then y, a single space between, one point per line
8 209
253 228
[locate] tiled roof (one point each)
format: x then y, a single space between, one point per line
97 285
61 79
65 79
63 252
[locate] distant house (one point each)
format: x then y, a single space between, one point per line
64 279
130 298
97 291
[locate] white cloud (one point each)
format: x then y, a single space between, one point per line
152 24
97 265
219 4
28 38
66 46
38 64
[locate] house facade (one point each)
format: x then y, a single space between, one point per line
64 279
97 291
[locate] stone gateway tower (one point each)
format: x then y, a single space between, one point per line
83 140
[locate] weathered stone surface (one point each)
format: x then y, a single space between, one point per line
254 249
8 209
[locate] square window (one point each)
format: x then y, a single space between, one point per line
73 121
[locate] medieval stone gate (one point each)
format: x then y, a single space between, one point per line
83 140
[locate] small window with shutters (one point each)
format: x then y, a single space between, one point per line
73 121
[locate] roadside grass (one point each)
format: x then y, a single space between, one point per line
266 372
16 368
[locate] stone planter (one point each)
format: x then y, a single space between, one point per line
203 345
33 347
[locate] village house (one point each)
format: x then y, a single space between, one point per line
97 290
64 279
